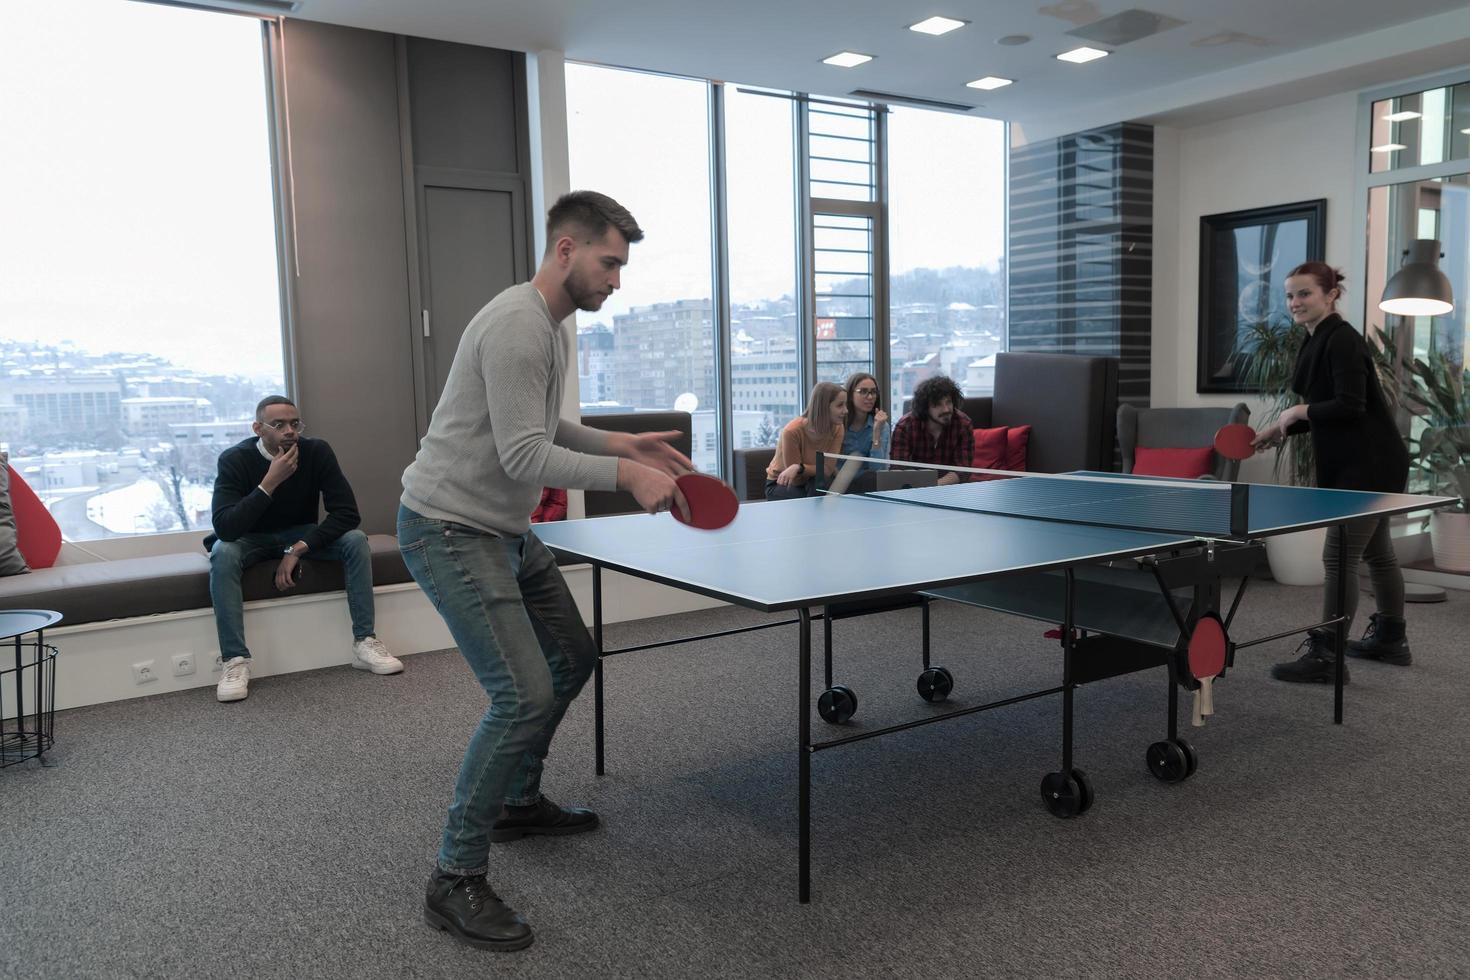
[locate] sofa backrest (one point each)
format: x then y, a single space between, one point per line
1069 400
600 503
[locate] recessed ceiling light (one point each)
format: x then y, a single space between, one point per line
847 59
989 83
1401 116
1389 148
1082 55
938 25
1466 131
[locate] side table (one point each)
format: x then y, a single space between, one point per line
27 690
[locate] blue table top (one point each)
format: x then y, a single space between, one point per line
798 553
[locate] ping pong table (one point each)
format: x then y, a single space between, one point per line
1127 567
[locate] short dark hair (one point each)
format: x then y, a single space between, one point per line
933 390
267 402
588 215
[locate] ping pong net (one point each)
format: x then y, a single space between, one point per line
1200 508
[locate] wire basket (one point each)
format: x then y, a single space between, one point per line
27 701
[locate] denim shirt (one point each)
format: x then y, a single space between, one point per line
859 442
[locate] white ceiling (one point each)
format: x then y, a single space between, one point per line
1227 57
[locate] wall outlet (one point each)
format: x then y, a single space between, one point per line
183 664
143 672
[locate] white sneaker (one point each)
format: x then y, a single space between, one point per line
371 654
235 684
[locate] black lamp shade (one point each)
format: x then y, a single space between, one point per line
1419 288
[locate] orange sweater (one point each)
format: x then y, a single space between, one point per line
798 446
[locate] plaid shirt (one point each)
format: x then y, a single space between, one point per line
956 445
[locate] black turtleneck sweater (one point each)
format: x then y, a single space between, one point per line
240 507
1354 435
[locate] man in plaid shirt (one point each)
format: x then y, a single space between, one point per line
936 431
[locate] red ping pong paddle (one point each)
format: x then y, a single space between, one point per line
712 504
1235 441
1207 646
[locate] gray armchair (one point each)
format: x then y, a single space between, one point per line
1178 428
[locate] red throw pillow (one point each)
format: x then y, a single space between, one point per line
1018 437
1186 463
990 452
37 535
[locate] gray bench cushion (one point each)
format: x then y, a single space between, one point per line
112 589
128 587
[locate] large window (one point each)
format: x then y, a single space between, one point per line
139 296
644 140
947 228
765 337
802 187
1419 188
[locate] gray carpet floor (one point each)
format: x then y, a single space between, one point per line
290 835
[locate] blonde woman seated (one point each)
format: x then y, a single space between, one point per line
819 430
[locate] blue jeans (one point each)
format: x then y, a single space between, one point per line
229 559
516 624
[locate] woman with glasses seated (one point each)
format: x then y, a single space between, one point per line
868 431
819 429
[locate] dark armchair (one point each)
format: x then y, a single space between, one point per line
1178 428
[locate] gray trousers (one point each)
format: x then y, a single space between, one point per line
1369 541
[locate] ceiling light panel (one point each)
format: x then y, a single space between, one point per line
1401 116
847 59
1082 55
938 25
990 83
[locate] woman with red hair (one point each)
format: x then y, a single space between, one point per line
1358 447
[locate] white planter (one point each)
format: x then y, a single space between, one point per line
1296 559
1449 536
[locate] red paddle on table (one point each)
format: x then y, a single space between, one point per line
712 504
1207 646
1235 441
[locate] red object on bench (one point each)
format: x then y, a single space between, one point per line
37 534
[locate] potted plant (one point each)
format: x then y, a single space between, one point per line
1266 352
1438 392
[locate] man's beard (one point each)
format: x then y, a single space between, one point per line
584 296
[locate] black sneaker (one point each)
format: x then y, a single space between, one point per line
470 911
1383 640
1316 665
542 817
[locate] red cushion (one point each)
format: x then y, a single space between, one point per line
553 506
36 532
1187 463
990 452
1018 437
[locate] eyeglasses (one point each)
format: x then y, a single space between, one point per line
866 391
295 425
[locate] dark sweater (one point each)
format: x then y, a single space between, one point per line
1354 435
240 507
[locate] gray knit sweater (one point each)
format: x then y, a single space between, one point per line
497 437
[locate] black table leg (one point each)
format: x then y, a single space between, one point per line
1067 685
597 671
804 756
1339 635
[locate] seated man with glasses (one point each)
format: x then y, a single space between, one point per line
266 496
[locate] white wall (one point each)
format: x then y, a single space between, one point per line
1294 153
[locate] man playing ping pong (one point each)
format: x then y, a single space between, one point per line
495 439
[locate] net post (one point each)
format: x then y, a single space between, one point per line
817 476
1240 496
